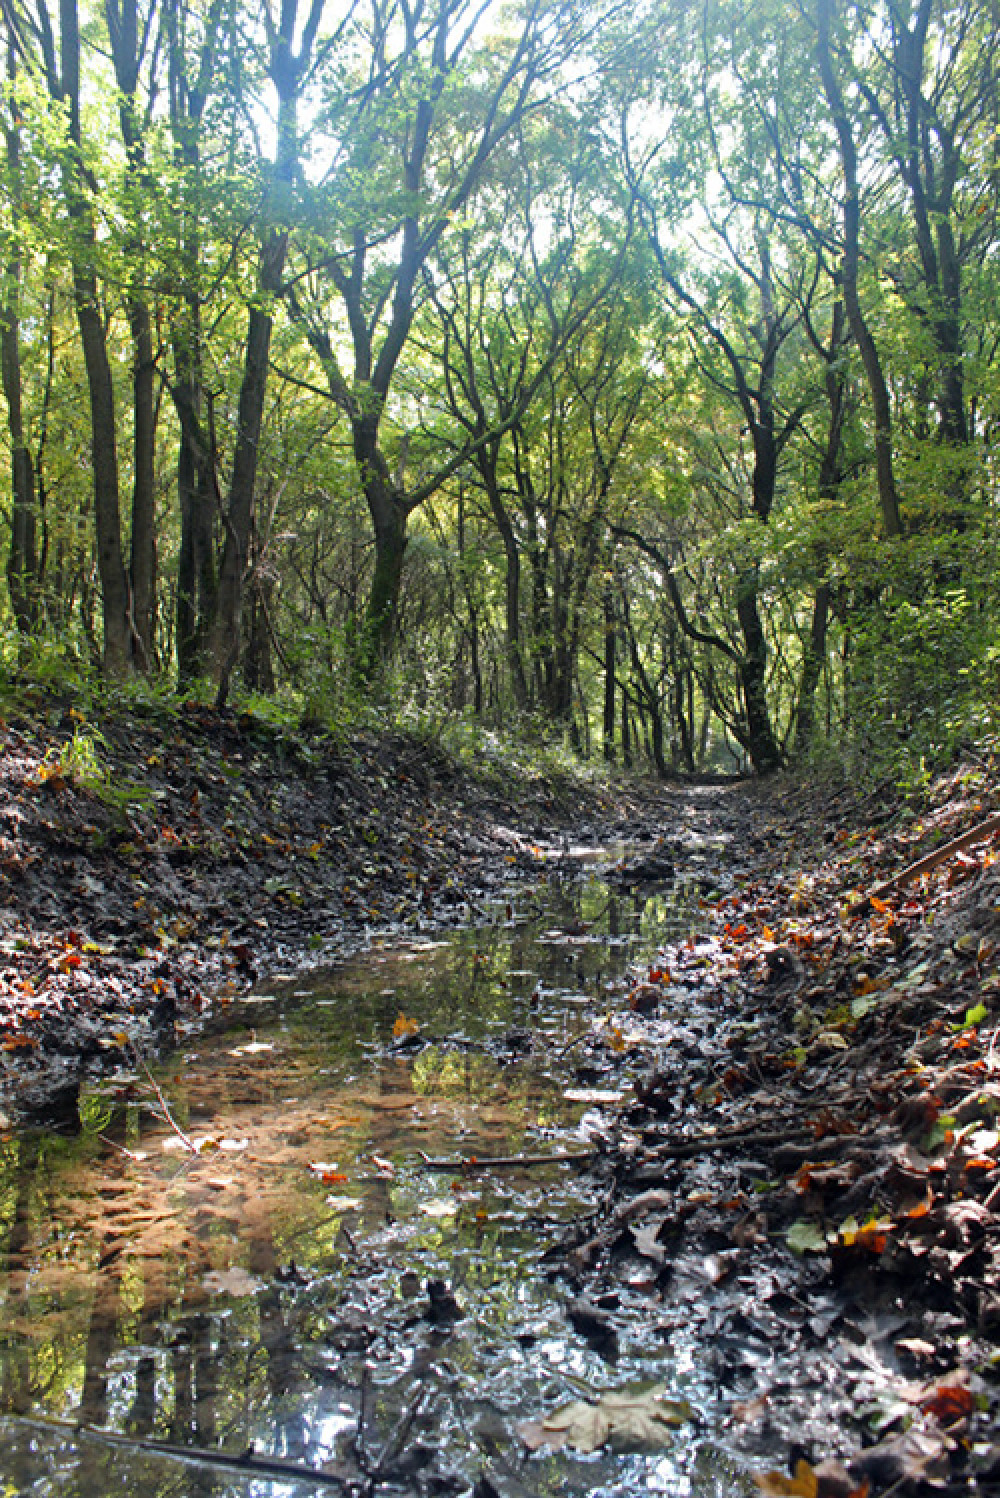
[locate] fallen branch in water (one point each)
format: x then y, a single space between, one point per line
504 1162
199 1456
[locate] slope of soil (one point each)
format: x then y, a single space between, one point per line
808 1182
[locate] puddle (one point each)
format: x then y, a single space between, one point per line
306 1275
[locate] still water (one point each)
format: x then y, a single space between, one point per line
247 1253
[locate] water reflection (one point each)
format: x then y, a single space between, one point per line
268 1291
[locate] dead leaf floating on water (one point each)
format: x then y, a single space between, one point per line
633 1418
234 1281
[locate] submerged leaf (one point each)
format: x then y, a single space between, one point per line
804 1483
633 1418
234 1281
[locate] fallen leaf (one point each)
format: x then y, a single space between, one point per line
593 1095
949 1398
803 1484
439 1207
234 1281
805 1237
633 1418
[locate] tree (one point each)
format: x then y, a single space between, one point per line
850 270
433 99
22 557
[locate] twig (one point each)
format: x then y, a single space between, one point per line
927 863
706 1143
112 1144
185 1139
271 1466
504 1162
396 1441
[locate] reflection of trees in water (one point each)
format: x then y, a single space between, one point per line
20 1165
219 1379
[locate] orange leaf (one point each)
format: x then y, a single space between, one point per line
404 1027
948 1402
19 1043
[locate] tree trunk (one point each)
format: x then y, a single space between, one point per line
378 629
196 577
104 450
100 386
486 464
22 559
610 650
226 635
874 374
761 744
813 661
143 547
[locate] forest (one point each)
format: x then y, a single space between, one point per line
622 375
499 816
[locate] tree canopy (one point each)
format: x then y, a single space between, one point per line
624 372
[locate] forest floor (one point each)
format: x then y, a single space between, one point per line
829 1142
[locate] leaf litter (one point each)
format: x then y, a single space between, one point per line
804 1187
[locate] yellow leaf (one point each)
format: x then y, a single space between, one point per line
404 1027
805 1483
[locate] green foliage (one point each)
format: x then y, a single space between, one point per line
573 335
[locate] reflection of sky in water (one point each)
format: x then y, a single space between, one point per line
240 1297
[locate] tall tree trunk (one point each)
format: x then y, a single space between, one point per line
761 744
126 50
870 358
610 651
100 386
486 462
104 451
226 636
198 500
197 486
389 516
142 569
286 68
22 559
813 661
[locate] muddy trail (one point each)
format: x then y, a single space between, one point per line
595 1140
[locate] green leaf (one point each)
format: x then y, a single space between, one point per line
974 1015
805 1237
